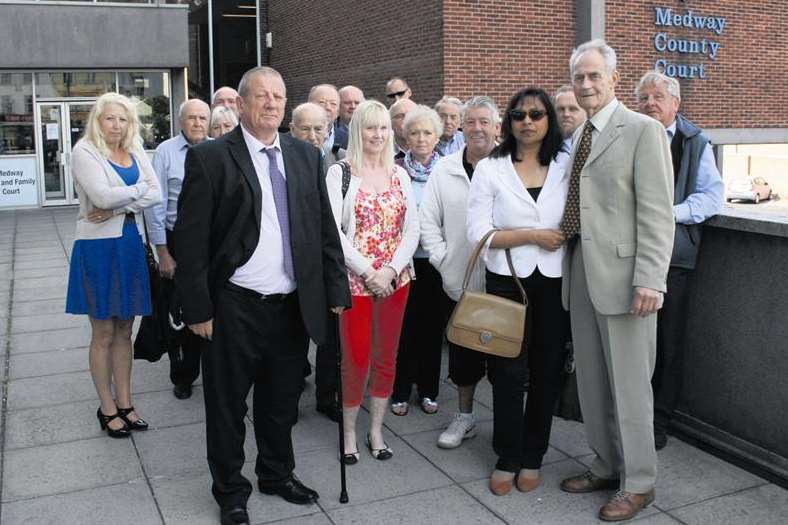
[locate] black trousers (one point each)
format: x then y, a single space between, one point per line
521 438
421 340
326 365
255 343
184 361
671 331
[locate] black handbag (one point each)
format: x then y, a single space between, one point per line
568 404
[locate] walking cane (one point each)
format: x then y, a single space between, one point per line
343 498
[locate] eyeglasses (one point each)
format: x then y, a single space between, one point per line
397 94
518 115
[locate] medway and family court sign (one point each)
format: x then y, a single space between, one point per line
703 47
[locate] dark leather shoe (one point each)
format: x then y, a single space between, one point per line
588 482
234 516
291 490
330 410
660 439
182 391
625 505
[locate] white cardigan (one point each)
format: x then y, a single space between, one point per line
444 235
345 217
99 186
498 199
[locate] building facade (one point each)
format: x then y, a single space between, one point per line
65 55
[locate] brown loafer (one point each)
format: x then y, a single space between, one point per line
625 505
588 482
501 487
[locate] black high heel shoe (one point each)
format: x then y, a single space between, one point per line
381 454
140 424
350 458
104 420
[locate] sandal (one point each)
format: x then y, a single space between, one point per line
381 454
428 406
400 409
138 424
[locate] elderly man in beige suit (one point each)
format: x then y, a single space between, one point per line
619 225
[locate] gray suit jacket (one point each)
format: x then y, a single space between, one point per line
626 211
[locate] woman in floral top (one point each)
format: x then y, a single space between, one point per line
379 226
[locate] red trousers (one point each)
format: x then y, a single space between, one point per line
369 333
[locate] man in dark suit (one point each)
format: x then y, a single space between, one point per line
259 267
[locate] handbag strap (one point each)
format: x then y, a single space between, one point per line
475 258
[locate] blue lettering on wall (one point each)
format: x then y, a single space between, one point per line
665 17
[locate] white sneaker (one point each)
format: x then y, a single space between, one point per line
462 427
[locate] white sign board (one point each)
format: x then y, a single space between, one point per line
18 182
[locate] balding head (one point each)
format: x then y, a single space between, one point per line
398 111
227 97
193 117
327 96
309 123
349 99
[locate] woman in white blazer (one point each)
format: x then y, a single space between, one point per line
520 190
108 276
376 213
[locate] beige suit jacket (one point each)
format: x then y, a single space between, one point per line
626 211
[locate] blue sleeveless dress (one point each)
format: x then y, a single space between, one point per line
108 278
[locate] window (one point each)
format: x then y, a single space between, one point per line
151 91
74 84
16 114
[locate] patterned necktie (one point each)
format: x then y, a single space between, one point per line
279 187
570 223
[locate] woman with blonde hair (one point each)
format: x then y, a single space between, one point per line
376 214
108 278
223 120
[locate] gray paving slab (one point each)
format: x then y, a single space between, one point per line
370 480
40 284
449 505
41 263
547 504
56 252
764 505
66 467
312 519
53 248
474 459
47 306
180 450
152 377
35 392
688 475
44 322
162 410
5 283
37 294
34 273
569 437
123 504
52 424
655 519
187 500
50 340
315 431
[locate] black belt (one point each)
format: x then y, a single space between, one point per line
272 298
130 217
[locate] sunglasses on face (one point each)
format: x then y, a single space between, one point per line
518 115
397 94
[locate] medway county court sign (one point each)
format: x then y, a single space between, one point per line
693 48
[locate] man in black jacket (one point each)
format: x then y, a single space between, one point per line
259 267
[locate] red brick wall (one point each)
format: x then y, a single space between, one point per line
747 83
496 47
357 42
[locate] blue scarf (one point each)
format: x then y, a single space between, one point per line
417 170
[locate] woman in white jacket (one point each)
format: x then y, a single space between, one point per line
520 190
377 217
108 277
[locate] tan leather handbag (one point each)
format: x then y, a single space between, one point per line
485 322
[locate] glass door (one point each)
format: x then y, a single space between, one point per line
52 154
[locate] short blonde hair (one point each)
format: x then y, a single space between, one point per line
369 113
131 141
219 113
420 113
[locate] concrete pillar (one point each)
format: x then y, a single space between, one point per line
590 20
179 90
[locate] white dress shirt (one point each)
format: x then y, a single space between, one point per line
498 199
264 272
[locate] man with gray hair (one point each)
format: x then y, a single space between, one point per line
444 237
327 97
698 196
227 97
349 99
570 115
398 111
614 275
168 163
449 109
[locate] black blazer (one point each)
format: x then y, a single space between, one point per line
218 228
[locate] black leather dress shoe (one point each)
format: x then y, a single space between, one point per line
182 391
330 410
234 516
291 490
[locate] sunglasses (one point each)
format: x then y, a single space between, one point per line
519 115
397 94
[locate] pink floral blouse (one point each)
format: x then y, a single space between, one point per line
379 221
